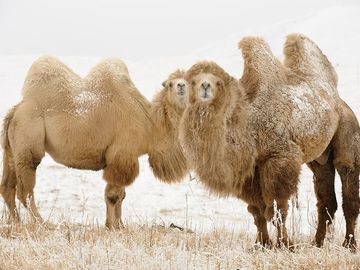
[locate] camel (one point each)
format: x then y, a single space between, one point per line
101 122
249 138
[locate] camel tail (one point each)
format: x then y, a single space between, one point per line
261 67
7 155
4 136
305 58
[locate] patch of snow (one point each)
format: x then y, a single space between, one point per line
85 101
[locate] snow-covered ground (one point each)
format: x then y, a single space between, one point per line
76 195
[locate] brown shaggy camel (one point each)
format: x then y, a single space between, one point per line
101 122
248 139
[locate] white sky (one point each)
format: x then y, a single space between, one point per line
135 29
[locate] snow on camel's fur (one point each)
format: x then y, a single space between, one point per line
99 122
249 138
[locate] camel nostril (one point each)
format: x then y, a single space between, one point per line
205 85
181 85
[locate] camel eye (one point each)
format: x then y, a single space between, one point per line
218 83
170 84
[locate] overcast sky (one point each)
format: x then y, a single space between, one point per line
134 29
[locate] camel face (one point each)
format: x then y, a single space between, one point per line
205 86
178 92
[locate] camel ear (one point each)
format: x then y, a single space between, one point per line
164 83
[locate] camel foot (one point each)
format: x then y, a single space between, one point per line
350 243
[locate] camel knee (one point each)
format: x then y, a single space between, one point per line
121 173
114 194
8 193
26 181
350 188
276 213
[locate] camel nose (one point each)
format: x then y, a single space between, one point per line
181 85
205 85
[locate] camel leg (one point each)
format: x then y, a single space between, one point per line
27 136
8 186
279 179
118 174
114 197
350 192
26 174
324 178
261 225
346 144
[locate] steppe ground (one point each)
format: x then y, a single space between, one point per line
147 246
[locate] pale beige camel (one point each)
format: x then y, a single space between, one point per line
101 122
248 139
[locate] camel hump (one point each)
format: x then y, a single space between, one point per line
47 70
110 72
306 59
260 65
111 67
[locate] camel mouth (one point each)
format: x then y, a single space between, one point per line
181 92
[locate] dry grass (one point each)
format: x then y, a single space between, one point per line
70 246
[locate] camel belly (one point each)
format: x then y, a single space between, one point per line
314 137
75 145
84 159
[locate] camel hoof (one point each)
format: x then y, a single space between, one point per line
114 227
286 244
263 244
350 243
318 243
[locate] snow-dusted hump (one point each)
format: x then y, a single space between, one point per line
260 65
305 58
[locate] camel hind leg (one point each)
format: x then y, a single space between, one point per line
8 185
324 178
346 144
27 138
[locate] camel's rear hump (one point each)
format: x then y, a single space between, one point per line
48 72
305 58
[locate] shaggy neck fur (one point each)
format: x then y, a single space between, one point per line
166 157
216 140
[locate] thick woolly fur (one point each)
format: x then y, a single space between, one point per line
99 122
203 133
250 138
165 153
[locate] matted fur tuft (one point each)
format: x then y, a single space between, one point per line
208 67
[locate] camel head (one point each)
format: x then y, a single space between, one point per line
208 82
177 89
